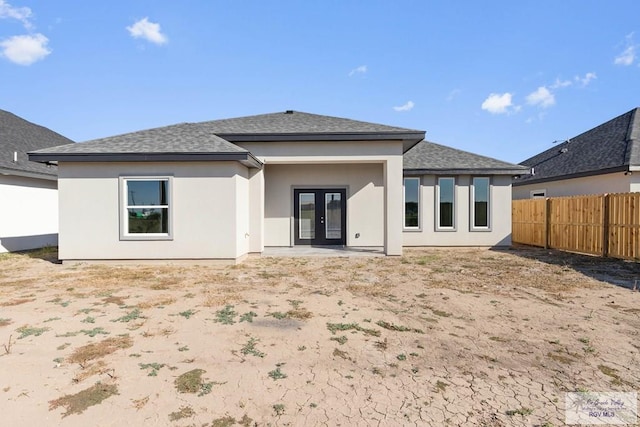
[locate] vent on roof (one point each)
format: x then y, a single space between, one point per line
289 112
15 157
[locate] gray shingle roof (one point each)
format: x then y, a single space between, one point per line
610 147
21 136
431 158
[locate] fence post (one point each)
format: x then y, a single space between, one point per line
547 215
605 225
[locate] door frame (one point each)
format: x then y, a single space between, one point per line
322 190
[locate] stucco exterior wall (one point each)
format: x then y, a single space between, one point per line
209 211
608 183
365 199
28 213
463 235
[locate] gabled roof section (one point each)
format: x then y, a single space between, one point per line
610 147
182 142
21 136
429 158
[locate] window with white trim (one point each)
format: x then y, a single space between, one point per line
480 203
412 203
146 211
446 204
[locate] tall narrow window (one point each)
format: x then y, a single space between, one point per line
146 212
446 203
412 203
480 203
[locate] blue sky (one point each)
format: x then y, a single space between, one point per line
498 78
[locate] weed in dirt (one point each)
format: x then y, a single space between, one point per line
16 302
135 355
250 348
63 346
248 317
277 374
79 402
278 315
245 421
398 328
26 331
335 327
278 408
133 315
187 314
7 346
339 353
520 411
401 357
100 349
381 345
190 381
95 331
58 360
183 412
89 319
226 316
154 368
341 340
560 358
441 386
5 322
184 348
51 319
498 339
223 422
140 403
611 373
302 348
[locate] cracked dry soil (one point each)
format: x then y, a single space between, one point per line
459 337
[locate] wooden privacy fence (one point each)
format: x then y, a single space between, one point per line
604 225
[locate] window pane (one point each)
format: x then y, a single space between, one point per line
481 202
411 201
446 189
148 220
333 215
307 216
147 193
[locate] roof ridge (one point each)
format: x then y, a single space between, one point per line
632 154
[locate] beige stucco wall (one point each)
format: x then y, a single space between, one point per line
209 216
608 183
372 171
28 213
500 215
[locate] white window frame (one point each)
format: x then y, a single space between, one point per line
472 203
455 203
124 208
404 206
538 194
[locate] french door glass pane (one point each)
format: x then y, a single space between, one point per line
307 215
333 215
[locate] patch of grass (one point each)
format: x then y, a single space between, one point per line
100 349
190 382
498 339
520 411
79 402
227 421
27 330
250 348
611 373
245 421
183 412
133 315
187 314
560 358
278 408
342 354
154 368
183 348
335 327
95 331
341 339
89 319
441 386
398 328
226 316
248 317
278 315
51 319
5 322
277 374
63 346
17 302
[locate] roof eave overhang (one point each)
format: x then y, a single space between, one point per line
245 158
534 180
475 171
28 174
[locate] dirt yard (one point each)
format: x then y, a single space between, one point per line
437 337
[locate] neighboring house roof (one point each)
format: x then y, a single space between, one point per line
213 140
613 146
20 136
429 158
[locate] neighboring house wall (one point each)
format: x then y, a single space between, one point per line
598 184
365 199
499 233
209 211
28 213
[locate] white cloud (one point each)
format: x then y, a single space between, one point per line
453 94
21 14
359 70
560 84
25 50
406 107
584 81
628 55
541 97
498 104
149 31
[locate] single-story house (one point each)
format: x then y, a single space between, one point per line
223 189
28 190
605 159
